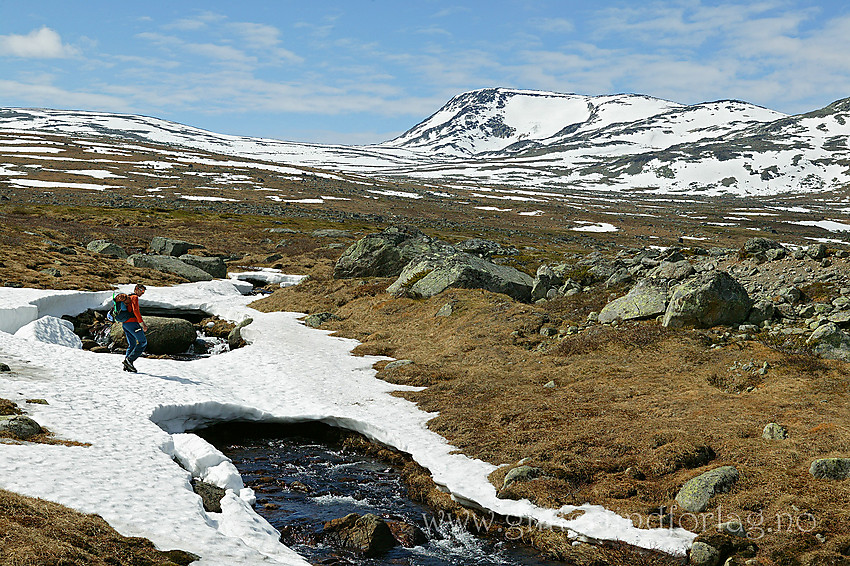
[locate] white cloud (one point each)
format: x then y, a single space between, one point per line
42 43
47 95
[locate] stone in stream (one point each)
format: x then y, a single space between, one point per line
368 535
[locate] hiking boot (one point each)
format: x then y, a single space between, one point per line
128 366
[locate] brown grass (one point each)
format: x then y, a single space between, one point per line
34 532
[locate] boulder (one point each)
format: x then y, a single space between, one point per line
20 426
818 251
831 342
702 554
483 248
646 299
432 274
106 248
215 266
165 335
755 246
385 254
697 492
761 312
774 431
545 280
167 246
831 468
676 270
709 299
406 534
234 337
316 320
169 264
368 535
521 473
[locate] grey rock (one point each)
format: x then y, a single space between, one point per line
106 248
703 554
330 233
675 270
761 312
709 299
398 364
734 528
316 320
215 266
831 468
549 331
696 494
52 271
20 426
774 431
775 254
165 335
760 245
619 277
432 274
167 246
646 299
234 337
385 254
818 251
831 342
791 294
445 310
483 248
521 473
5 368
545 280
169 264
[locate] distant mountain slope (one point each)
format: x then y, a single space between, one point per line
546 140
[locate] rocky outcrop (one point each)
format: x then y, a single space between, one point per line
368 535
165 335
169 264
106 248
167 246
215 266
433 274
385 254
707 300
647 299
696 494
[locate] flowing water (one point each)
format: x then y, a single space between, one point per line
302 482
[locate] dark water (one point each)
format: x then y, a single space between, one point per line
302 482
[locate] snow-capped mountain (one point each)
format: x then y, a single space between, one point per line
546 140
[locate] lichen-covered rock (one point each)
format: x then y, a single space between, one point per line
703 554
830 342
169 264
106 248
831 468
316 320
215 266
167 246
755 246
697 492
165 335
385 254
774 431
709 299
646 299
432 274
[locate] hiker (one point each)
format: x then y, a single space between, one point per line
134 329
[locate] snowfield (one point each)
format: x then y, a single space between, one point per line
138 424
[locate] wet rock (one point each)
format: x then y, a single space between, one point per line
104 247
831 468
709 299
169 247
696 494
406 534
646 299
215 266
20 426
369 535
165 335
234 337
210 495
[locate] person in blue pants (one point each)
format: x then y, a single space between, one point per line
134 330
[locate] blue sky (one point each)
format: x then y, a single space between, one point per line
363 71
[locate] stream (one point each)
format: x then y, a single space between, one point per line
302 480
